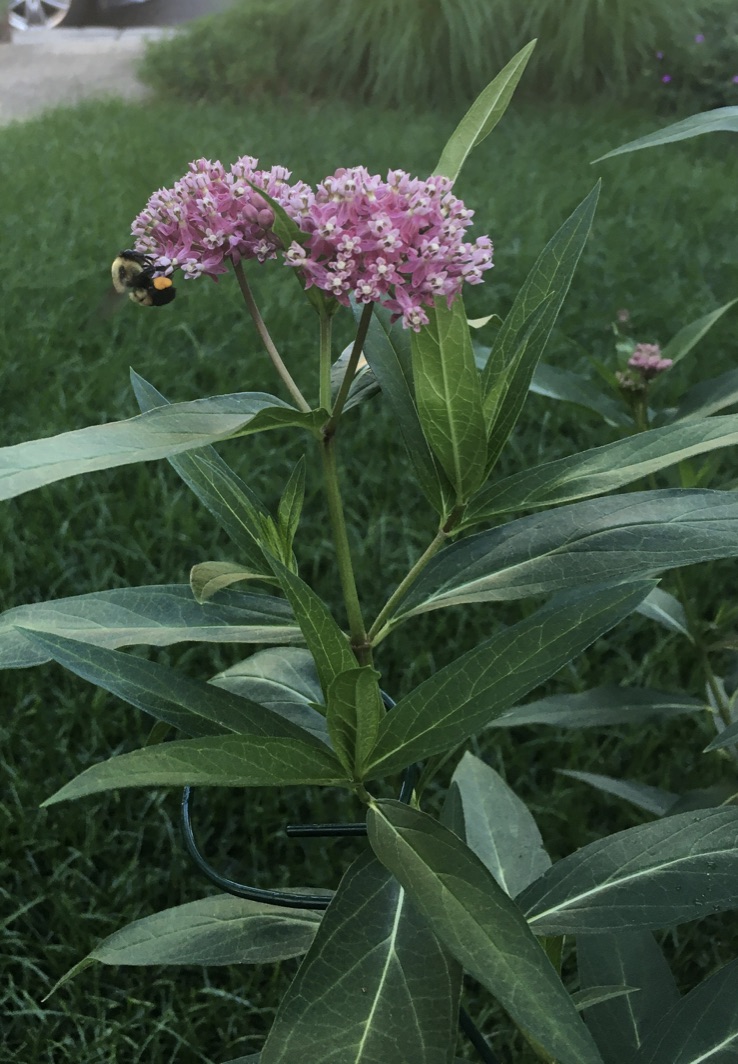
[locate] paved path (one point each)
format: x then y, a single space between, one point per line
45 68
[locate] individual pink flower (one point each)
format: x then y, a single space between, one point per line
398 242
646 358
212 215
623 316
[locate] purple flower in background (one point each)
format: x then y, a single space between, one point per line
735 79
623 316
666 79
659 55
700 38
647 359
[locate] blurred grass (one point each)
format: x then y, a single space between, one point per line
663 245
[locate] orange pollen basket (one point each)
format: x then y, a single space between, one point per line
160 283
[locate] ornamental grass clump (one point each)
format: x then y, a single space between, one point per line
429 898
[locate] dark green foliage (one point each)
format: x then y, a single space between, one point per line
420 53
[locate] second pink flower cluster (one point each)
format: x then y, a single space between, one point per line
398 242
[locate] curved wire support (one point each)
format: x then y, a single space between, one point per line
296 900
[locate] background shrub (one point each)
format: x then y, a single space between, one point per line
421 53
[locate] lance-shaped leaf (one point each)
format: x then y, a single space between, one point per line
466 695
325 640
687 337
449 396
633 958
510 367
208 578
387 350
727 737
480 926
594 995
720 119
483 115
499 827
673 870
596 541
290 508
599 707
701 1028
209 931
194 707
666 610
237 509
284 680
652 799
708 397
602 469
375 965
152 616
355 711
568 387
159 433
220 761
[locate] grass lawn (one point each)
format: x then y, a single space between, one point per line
664 245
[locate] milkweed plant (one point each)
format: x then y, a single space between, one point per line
473 892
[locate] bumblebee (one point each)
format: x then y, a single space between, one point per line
133 273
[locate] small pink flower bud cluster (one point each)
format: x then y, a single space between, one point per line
211 215
648 361
397 242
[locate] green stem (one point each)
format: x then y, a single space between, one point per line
695 630
360 643
267 341
379 629
366 316
326 323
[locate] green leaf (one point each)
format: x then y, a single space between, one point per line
619 1025
701 1027
681 344
220 761
721 118
364 384
208 578
666 610
598 707
210 931
483 115
498 826
480 926
326 642
154 616
284 681
159 433
708 397
510 367
355 711
195 707
602 469
237 509
595 995
466 695
569 387
387 349
290 508
449 396
653 799
600 540
676 869
375 987
727 737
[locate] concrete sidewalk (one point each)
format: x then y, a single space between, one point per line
48 68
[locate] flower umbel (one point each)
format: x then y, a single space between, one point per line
212 214
647 359
398 242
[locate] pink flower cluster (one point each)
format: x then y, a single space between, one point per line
213 214
397 242
647 359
